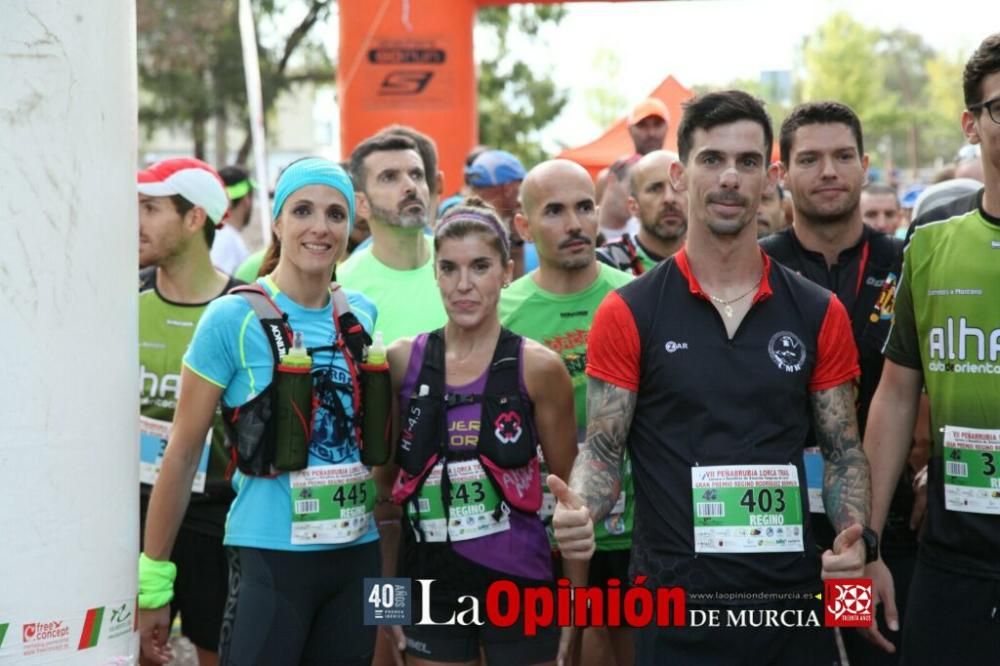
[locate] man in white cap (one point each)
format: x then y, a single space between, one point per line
648 124
180 203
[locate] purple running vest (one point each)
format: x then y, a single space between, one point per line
523 550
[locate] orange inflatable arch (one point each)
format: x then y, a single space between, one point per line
411 62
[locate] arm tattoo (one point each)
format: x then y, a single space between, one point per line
846 478
596 475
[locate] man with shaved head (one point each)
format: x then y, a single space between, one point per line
662 214
555 305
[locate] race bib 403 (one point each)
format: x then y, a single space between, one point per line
746 509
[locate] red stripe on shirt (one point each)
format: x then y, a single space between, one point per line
836 353
613 350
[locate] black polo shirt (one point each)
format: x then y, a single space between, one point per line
705 399
864 279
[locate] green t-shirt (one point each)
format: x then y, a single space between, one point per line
408 302
247 271
648 263
562 323
165 331
947 325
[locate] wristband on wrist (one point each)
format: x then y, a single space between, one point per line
156 582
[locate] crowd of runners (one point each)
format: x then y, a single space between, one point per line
700 370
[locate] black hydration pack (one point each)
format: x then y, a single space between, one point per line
507 438
250 433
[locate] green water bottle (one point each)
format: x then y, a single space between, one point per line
376 397
293 408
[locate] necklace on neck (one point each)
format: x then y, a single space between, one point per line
727 306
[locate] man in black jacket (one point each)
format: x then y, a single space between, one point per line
822 149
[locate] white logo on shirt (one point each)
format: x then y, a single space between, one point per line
672 346
787 351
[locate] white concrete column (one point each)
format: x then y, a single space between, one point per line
68 332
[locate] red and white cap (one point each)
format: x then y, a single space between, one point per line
192 179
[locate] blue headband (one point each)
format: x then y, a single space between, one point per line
314 171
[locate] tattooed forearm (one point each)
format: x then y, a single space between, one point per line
596 475
846 478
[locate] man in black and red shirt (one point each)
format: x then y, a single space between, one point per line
678 360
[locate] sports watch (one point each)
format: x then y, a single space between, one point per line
871 544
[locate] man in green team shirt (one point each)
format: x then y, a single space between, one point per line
180 203
397 270
946 334
555 305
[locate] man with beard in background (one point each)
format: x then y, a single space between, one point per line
662 214
397 270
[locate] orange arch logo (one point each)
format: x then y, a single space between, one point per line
410 62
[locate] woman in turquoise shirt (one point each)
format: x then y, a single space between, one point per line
295 579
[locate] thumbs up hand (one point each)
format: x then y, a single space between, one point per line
574 530
847 559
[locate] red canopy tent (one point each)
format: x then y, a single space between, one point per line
616 142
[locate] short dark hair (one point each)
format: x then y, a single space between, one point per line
376 144
425 146
818 113
721 108
985 61
182 206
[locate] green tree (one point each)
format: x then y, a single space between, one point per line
191 65
902 90
841 62
905 56
516 100
777 107
605 103
945 103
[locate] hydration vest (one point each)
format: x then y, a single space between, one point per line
623 255
250 433
506 447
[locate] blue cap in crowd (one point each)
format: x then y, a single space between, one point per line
494 167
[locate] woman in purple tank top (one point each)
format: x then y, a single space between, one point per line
475 402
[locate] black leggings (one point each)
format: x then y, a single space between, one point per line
287 607
951 618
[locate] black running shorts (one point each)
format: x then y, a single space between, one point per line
288 607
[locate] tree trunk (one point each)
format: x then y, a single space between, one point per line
911 129
912 144
198 132
243 154
221 142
